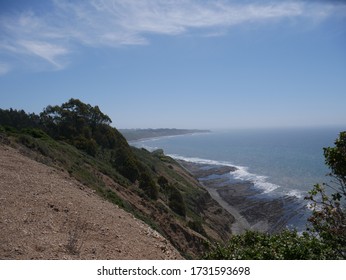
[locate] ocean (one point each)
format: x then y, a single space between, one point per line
279 162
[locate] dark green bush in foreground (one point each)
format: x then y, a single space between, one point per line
288 245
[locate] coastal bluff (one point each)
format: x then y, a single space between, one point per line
77 140
46 214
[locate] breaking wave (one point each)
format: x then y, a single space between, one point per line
241 173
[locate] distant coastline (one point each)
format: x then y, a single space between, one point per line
139 134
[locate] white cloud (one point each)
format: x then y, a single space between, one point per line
98 23
47 51
30 36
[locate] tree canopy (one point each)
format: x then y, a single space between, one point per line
328 219
81 125
79 122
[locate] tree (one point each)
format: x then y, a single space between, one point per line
73 119
82 125
335 158
328 219
18 119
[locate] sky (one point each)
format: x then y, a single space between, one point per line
178 63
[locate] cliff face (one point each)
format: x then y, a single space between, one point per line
46 214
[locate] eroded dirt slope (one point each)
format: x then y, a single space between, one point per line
45 214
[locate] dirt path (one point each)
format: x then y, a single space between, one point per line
241 224
45 214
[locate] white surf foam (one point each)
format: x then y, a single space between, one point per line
296 193
259 181
201 160
241 172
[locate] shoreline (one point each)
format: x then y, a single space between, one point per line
252 209
136 135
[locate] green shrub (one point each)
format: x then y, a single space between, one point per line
176 202
36 133
197 226
287 245
125 162
147 184
87 145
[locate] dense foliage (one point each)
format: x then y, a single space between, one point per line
18 119
288 245
80 125
149 187
176 202
328 219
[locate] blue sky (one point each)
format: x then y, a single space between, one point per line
178 63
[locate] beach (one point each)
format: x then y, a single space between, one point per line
251 208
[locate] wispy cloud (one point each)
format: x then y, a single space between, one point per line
52 36
30 36
49 52
4 68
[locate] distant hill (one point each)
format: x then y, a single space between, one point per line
76 140
137 134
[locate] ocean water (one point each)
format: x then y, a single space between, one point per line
277 161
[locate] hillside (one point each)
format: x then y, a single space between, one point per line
46 214
76 141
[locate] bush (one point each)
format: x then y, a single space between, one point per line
147 184
87 145
176 202
197 226
165 187
34 144
36 133
125 162
287 245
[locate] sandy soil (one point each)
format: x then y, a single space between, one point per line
45 214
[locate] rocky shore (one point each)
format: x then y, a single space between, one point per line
251 208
